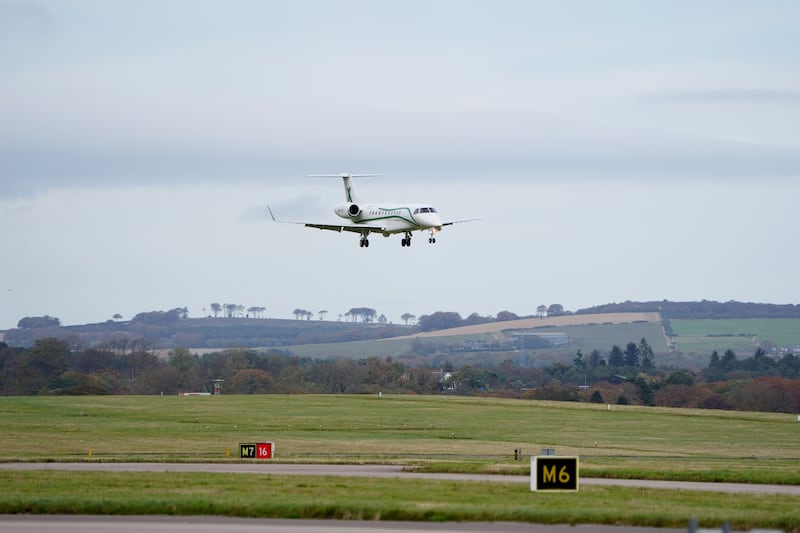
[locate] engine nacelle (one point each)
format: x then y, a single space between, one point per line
348 210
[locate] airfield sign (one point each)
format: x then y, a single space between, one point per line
258 450
554 474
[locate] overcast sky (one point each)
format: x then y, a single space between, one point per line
621 150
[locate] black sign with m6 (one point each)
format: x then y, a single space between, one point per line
553 473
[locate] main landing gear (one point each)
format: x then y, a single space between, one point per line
406 241
364 242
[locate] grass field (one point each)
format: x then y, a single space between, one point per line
695 341
428 432
584 337
267 496
704 336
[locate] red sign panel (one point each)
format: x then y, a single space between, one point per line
264 450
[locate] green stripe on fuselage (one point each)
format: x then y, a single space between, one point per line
391 215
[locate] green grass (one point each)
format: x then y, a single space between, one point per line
434 433
585 338
703 346
251 495
780 331
476 433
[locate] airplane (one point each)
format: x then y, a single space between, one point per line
385 218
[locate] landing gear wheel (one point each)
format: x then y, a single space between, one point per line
406 241
364 242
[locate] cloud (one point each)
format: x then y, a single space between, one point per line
23 18
725 96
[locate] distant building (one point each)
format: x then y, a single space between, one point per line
445 380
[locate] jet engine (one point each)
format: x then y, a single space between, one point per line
348 210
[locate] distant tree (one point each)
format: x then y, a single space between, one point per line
47 360
555 310
406 317
645 388
596 397
541 311
760 364
475 318
681 377
579 362
382 319
322 314
678 395
117 316
181 359
631 354
729 361
230 310
439 320
616 357
506 315
159 318
647 356
595 359
216 309
46 321
298 313
250 381
366 314
789 366
765 394
472 379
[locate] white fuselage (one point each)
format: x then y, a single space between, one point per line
393 218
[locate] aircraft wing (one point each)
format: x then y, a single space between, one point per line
331 227
341 228
450 223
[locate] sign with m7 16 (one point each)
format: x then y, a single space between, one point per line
553 473
259 450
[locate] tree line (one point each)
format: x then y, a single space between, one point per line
52 366
452 319
619 376
701 309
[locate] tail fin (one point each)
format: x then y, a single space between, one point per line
349 193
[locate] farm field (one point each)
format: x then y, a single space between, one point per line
739 335
585 337
432 433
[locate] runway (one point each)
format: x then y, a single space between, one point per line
196 524
388 471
